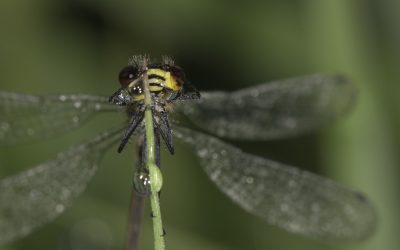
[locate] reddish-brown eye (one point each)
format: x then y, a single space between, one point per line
177 72
127 75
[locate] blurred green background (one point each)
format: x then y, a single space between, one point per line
49 47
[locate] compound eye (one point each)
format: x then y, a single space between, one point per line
127 75
177 72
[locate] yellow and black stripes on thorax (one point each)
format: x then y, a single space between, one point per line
159 79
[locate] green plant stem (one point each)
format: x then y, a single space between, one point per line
155 174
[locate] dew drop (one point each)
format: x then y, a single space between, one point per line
215 156
203 153
60 208
249 180
63 98
141 181
77 104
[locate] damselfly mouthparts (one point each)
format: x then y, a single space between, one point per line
295 200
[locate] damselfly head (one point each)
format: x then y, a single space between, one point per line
167 81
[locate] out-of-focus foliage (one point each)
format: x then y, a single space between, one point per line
49 47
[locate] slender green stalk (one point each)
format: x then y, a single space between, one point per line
155 174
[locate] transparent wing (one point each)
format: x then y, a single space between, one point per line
27 117
38 195
295 200
273 110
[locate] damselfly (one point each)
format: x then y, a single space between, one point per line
282 195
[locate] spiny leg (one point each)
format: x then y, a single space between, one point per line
164 129
135 121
